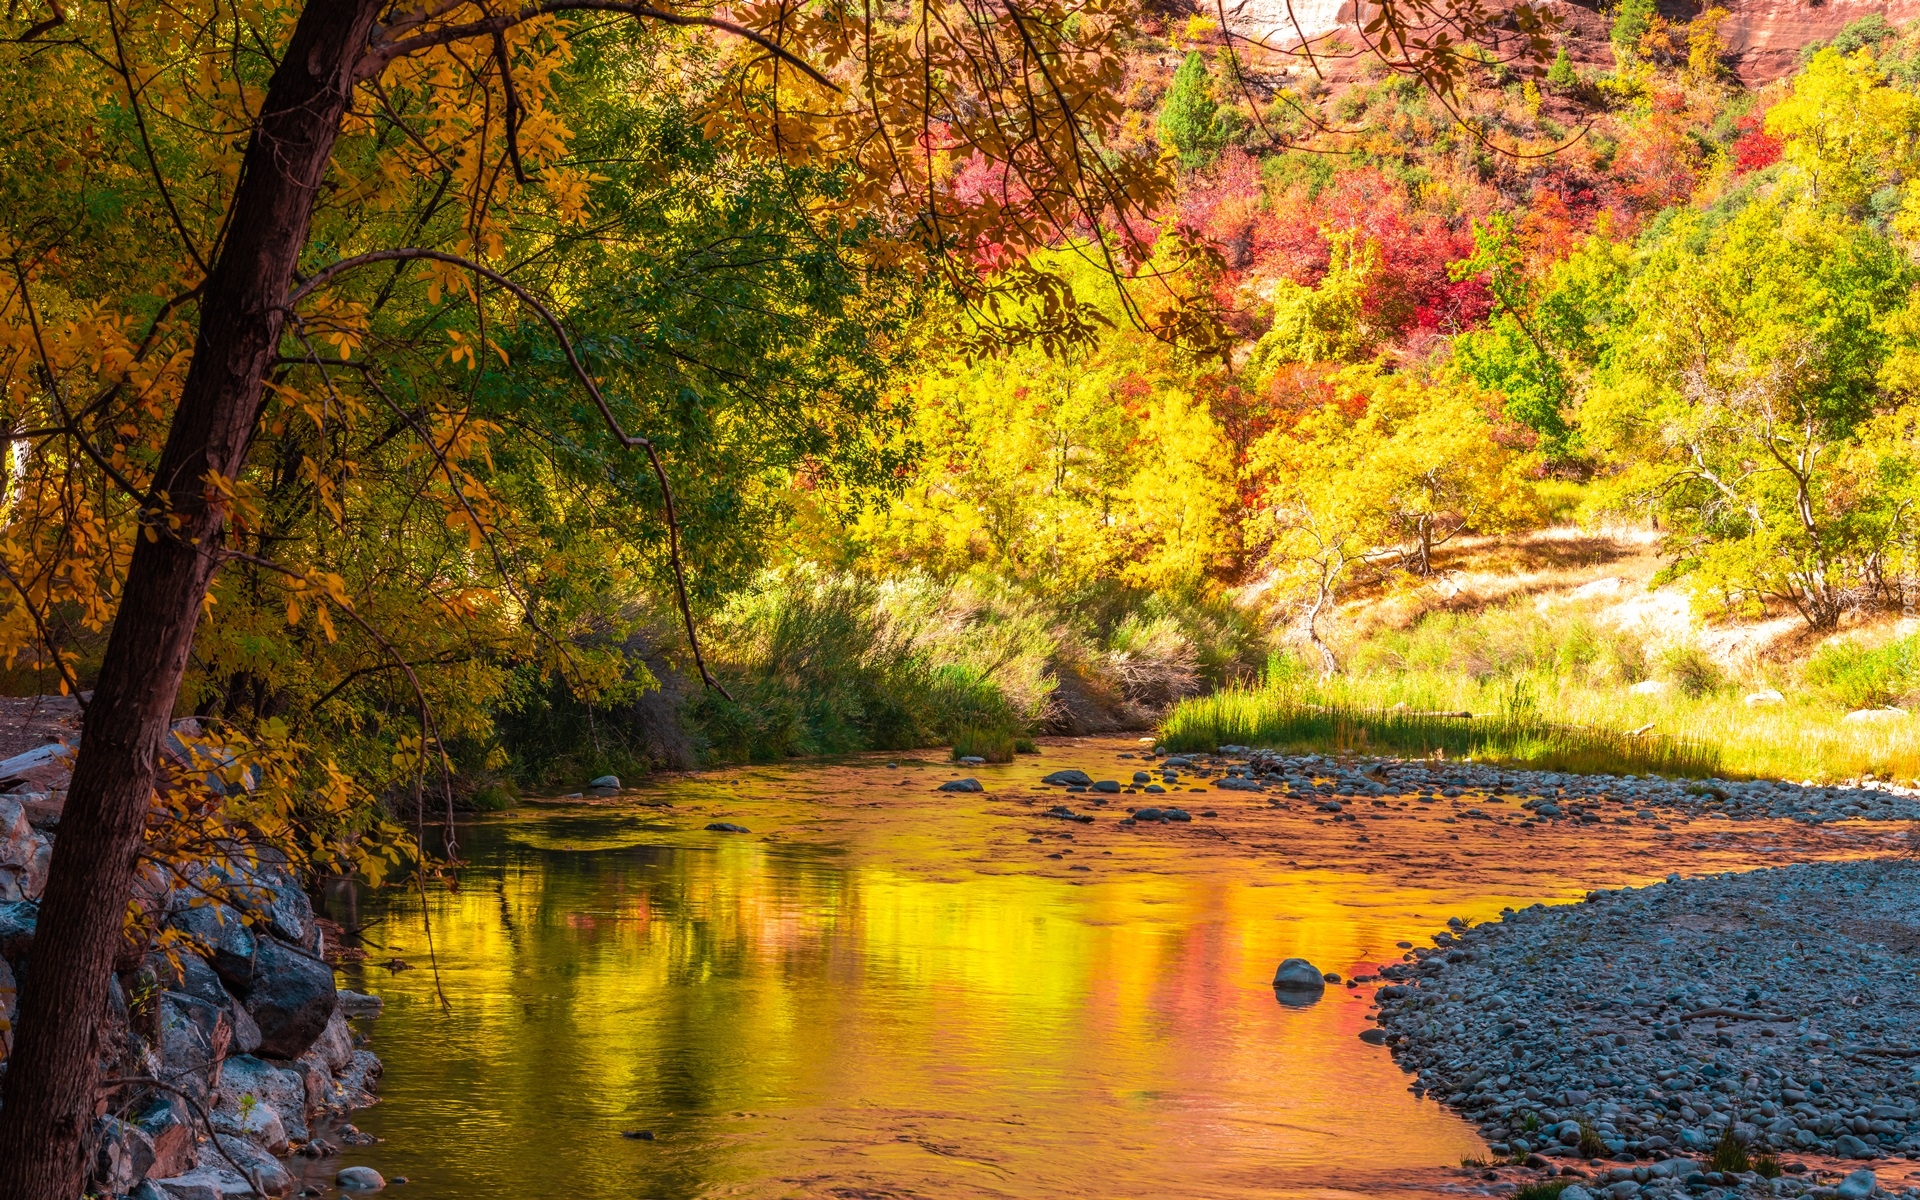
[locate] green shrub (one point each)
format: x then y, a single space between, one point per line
1023 745
994 745
1860 677
493 797
1766 1166
1546 1189
1691 670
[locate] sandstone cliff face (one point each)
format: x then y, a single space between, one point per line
1763 37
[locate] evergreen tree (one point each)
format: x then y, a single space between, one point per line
1631 18
1560 75
1187 120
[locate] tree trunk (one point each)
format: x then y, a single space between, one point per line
51 1078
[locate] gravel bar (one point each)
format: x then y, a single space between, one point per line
1627 1036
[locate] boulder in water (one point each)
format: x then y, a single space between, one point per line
1069 778
1298 975
360 1179
961 785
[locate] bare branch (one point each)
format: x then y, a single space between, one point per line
382 53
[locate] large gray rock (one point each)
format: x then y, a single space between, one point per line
247 1083
334 1046
17 921
1068 778
122 1156
169 1127
216 1179
192 1039
291 998
961 785
1299 975
1857 1186
220 934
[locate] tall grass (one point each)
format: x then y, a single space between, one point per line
1277 719
1551 684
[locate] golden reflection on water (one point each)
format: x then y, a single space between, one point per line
885 991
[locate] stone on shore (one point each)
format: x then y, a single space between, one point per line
360 1179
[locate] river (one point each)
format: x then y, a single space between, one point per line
884 991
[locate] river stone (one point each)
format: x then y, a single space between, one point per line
727 827
1857 1186
1849 1146
1298 975
360 1179
1765 699
1068 777
961 785
606 781
1576 1192
292 998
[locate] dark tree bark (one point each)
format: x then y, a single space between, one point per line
51 1078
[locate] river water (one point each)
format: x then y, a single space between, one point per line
883 991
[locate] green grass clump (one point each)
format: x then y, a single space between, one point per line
994 745
1546 1189
1728 1155
1590 1145
1766 1166
1278 720
1864 678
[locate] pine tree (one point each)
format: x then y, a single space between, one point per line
1560 75
1631 18
1187 119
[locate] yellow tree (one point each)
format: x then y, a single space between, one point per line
1379 475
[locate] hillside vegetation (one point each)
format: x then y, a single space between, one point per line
1589 402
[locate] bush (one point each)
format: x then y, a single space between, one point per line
1766 1166
1546 1189
1863 678
1692 671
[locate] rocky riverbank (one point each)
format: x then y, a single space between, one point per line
228 1048
1547 795
1771 1010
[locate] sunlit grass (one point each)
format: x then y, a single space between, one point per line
1277 720
1553 724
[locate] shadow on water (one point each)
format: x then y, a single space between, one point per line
885 991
